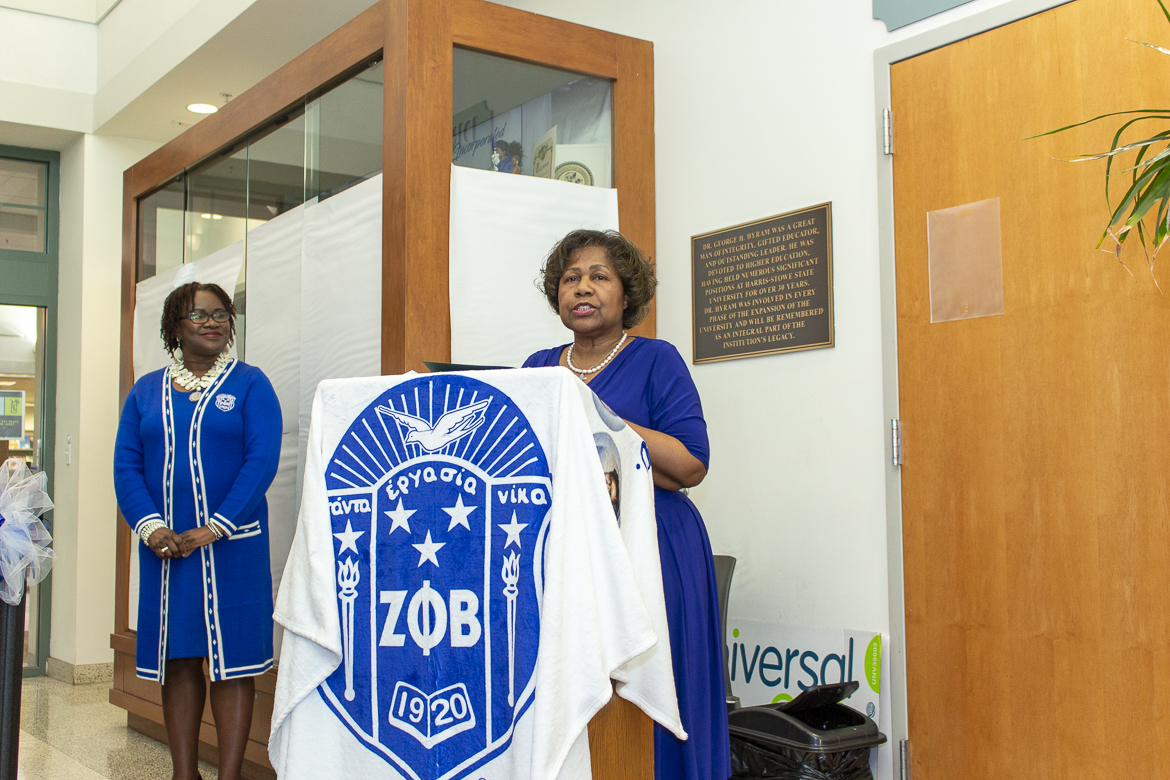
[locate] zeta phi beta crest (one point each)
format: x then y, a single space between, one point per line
438 497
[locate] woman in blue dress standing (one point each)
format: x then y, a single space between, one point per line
198 445
600 284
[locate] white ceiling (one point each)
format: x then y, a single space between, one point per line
92 11
260 40
257 42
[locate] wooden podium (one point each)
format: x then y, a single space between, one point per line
415 40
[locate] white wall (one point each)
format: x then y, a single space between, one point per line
46 70
46 51
88 344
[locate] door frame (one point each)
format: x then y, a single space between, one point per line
39 288
883 59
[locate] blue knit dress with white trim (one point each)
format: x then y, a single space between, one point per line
183 463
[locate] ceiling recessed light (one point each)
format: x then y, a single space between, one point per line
202 108
211 216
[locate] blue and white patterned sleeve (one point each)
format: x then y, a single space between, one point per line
134 499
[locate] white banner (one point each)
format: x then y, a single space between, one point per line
502 228
774 662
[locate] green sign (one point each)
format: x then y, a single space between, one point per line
873 664
11 414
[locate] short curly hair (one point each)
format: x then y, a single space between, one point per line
635 271
178 306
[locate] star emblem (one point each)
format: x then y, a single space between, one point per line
348 538
513 530
427 550
399 516
459 514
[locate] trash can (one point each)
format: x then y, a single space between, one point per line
812 737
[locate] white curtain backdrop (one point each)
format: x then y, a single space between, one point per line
314 312
341 299
273 346
502 228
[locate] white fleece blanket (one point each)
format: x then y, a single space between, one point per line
459 595
648 680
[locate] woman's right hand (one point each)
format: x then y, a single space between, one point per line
165 543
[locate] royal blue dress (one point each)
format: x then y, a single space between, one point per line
649 385
184 463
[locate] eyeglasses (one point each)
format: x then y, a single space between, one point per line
199 316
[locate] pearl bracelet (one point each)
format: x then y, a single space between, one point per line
152 526
148 528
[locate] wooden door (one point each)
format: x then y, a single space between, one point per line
1037 443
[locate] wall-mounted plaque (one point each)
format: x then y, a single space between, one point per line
764 287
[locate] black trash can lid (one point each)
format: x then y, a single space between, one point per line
819 696
813 721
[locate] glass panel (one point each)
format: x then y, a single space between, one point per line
345 135
217 217
160 230
21 415
217 205
24 195
517 117
276 169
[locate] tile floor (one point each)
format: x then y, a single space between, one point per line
72 732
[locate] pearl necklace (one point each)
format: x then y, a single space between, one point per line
582 372
183 377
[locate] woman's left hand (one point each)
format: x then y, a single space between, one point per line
674 466
195 538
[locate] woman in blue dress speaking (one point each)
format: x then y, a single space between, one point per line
198 445
600 284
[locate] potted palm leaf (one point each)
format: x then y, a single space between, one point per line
1148 191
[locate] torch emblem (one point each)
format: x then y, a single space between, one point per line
511 575
348 577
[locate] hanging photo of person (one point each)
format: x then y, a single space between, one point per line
611 467
517 156
502 157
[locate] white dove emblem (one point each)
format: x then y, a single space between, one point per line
451 427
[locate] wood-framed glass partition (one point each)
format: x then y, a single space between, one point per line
417 49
